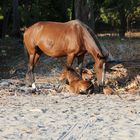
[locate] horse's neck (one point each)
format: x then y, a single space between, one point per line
91 45
94 53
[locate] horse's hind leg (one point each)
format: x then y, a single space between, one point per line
33 58
38 53
29 75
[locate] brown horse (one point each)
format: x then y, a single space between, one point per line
71 39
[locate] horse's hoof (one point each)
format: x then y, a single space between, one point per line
34 88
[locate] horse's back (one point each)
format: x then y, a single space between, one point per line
56 38
67 31
48 25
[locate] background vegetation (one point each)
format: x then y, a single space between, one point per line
117 16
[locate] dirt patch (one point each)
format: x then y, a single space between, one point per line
50 114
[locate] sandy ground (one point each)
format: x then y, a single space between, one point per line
65 116
48 115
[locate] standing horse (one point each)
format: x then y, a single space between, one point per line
71 39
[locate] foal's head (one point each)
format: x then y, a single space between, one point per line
99 68
87 74
70 74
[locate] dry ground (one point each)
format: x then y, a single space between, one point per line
49 115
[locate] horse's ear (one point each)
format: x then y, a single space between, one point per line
84 70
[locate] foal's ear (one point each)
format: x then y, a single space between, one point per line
98 56
84 70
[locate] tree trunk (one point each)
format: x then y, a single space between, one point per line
15 26
73 9
84 11
91 16
6 13
122 17
5 23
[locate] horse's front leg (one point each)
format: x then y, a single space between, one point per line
70 59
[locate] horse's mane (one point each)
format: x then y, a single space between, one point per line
94 36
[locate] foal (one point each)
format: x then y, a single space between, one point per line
76 83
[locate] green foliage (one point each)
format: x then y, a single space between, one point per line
111 11
69 13
1 16
42 10
31 11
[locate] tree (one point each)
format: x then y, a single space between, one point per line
6 12
122 17
84 11
15 25
122 9
20 13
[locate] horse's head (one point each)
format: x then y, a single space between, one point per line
99 68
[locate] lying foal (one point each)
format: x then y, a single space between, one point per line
76 83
